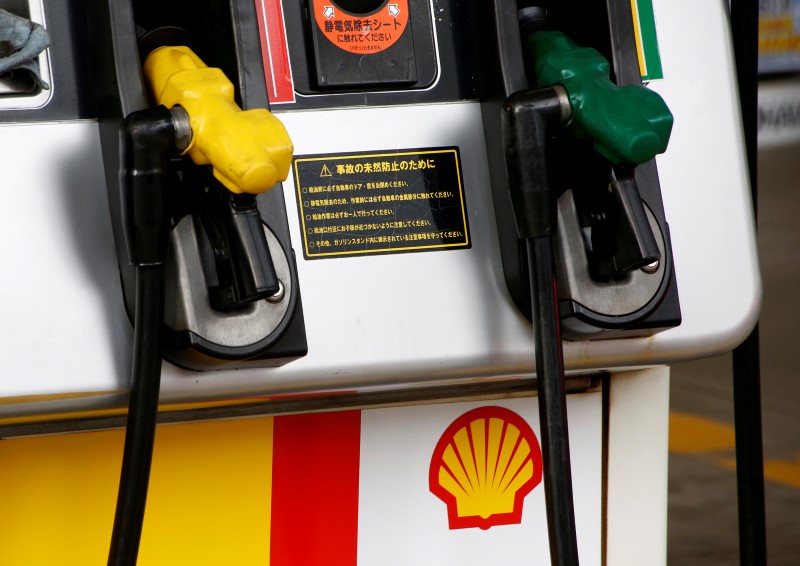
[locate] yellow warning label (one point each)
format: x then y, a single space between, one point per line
388 202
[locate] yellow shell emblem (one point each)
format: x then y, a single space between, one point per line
483 466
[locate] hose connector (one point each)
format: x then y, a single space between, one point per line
147 140
528 120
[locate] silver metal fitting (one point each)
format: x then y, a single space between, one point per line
563 100
183 128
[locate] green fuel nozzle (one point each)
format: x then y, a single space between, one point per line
626 124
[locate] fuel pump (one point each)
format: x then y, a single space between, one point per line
471 181
613 234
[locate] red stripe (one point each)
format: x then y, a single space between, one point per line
315 489
274 51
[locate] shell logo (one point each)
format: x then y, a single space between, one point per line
483 466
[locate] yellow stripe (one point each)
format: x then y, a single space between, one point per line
784 472
692 434
638 33
209 500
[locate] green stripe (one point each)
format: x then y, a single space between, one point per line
647 26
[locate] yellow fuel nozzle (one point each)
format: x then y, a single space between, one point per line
249 151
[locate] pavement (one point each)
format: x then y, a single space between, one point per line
702 520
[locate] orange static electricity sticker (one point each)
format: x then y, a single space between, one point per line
362 34
483 466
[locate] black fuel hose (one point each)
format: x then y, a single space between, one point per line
147 139
528 118
142 410
552 403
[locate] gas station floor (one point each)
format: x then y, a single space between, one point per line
702 519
